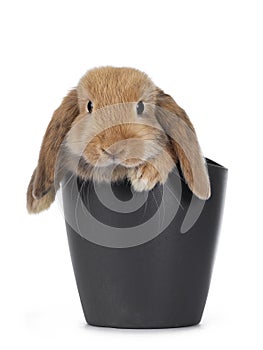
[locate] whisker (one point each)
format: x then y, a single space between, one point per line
145 208
160 221
163 217
176 173
181 206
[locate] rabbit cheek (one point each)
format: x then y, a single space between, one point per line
92 154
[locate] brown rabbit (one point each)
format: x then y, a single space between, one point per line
117 124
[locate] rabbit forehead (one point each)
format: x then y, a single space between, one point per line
110 85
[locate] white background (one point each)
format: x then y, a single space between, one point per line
208 55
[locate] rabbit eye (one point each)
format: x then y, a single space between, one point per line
90 107
140 107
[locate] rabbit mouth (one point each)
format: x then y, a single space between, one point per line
132 162
115 160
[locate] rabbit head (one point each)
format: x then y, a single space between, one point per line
117 122
115 117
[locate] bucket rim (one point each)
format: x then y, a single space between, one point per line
212 163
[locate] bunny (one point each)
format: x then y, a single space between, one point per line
117 124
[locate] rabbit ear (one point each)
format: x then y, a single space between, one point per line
184 144
41 189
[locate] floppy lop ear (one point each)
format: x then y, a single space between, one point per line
41 190
184 144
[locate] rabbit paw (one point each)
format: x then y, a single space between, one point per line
144 178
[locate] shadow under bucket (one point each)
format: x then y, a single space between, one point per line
143 260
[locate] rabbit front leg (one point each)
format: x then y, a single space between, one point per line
147 175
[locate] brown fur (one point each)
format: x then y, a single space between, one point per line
185 145
42 182
146 147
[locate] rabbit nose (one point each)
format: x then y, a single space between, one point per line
112 153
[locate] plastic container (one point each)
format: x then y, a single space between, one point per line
143 260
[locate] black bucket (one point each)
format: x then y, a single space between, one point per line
143 260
